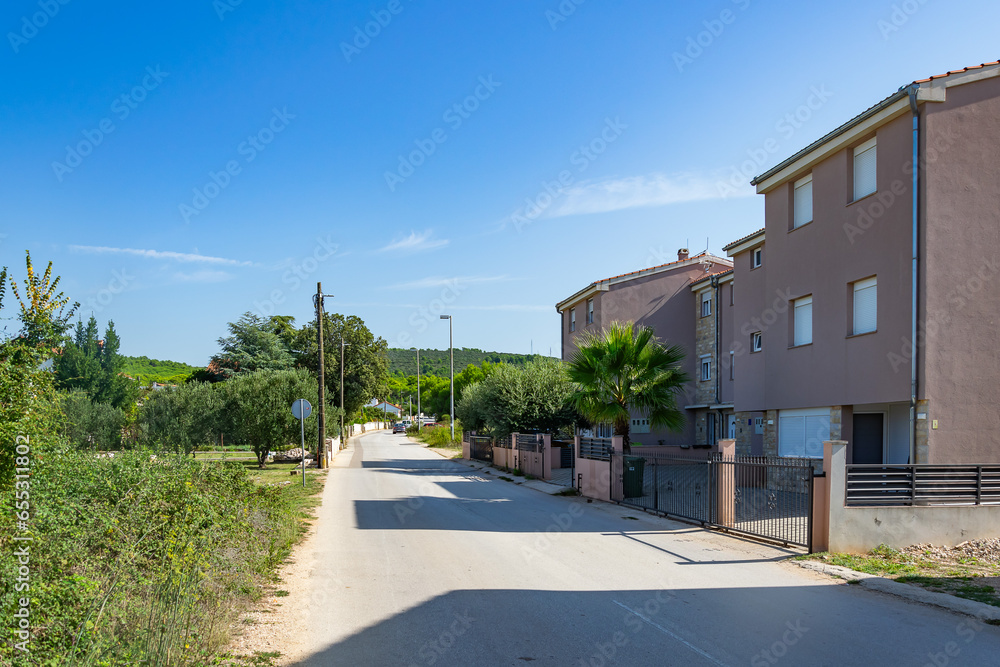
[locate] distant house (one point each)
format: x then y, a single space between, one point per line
156 386
388 408
659 297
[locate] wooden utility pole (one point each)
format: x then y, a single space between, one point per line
321 449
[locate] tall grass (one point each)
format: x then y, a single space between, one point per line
137 559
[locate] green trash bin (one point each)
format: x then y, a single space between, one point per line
632 476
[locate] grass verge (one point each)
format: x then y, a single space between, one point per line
966 578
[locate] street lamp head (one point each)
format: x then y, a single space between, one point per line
446 317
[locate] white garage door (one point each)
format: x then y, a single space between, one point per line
802 432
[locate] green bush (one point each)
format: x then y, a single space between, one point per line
136 558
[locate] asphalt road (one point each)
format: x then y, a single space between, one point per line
425 561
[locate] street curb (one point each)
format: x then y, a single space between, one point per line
979 610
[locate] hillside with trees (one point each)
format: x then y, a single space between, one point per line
148 370
436 363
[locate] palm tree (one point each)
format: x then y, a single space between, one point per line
627 370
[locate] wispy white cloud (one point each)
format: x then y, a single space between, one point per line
416 242
454 281
160 254
203 276
641 192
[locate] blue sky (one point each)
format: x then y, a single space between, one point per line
183 164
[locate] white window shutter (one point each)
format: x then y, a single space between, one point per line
817 432
803 205
864 169
803 324
865 306
791 436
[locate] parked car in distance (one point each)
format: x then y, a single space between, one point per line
398 428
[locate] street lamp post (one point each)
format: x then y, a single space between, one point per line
419 420
342 346
451 354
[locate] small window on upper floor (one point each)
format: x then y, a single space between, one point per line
756 257
865 306
590 311
732 365
706 368
756 341
865 182
802 321
572 319
706 304
802 205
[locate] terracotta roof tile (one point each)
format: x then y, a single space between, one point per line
710 275
957 71
660 266
745 238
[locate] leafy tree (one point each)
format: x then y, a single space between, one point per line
89 425
532 399
183 418
253 344
259 409
43 315
365 363
94 366
627 370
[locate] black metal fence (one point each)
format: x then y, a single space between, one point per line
768 498
481 448
922 484
596 449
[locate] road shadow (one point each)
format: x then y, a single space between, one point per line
799 625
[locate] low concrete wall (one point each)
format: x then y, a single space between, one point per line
503 457
860 529
595 476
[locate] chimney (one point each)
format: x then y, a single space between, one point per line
682 254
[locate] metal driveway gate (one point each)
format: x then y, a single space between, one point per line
481 448
763 497
530 449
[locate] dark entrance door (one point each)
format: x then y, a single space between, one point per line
868 431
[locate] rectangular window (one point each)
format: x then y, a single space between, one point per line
803 321
756 256
572 319
801 433
590 311
706 304
864 169
865 306
732 365
803 202
706 368
710 438
756 341
732 293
